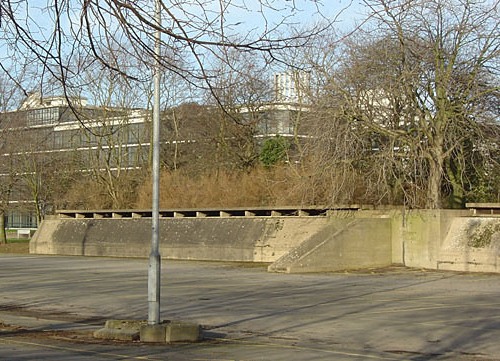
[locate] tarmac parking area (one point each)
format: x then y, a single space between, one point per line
49 306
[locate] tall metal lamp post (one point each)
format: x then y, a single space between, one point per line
154 270
155 330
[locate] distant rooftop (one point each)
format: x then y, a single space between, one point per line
36 101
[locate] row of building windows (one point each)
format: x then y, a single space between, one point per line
76 138
17 219
43 116
130 156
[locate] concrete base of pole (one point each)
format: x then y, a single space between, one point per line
123 330
165 332
153 333
171 331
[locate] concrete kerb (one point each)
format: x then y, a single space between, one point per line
140 330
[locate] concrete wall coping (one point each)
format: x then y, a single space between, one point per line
312 211
484 208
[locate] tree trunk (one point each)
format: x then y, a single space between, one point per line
3 235
435 177
456 198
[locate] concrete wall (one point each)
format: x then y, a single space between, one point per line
347 239
472 244
420 236
342 244
249 239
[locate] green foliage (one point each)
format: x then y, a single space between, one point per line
274 151
485 189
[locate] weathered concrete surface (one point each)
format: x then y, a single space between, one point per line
451 240
221 239
165 332
341 240
123 330
342 244
472 244
421 234
140 330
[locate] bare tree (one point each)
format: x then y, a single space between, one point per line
81 33
113 137
243 90
44 176
9 146
413 93
448 57
8 180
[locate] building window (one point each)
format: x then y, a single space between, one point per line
42 116
19 219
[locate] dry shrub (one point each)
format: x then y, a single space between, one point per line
85 194
89 193
257 187
285 185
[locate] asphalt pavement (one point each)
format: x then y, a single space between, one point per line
49 306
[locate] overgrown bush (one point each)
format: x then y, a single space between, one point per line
258 186
274 150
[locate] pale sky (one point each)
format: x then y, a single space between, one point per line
346 12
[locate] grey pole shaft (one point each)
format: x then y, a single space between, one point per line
154 270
